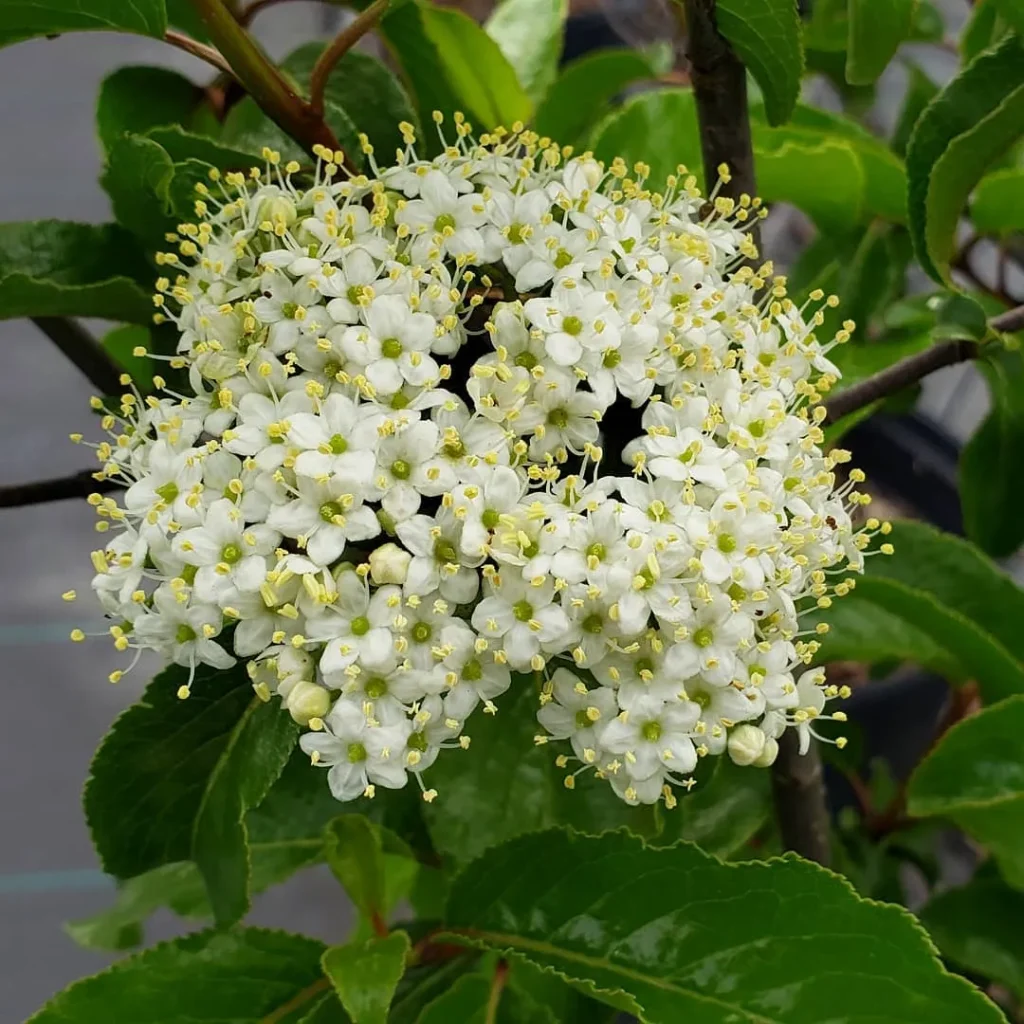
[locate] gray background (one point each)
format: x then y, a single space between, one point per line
56 702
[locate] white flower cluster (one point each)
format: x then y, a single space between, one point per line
399 482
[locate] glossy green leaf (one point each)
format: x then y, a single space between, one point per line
422 984
57 268
189 769
182 145
286 834
600 76
529 34
826 27
939 602
959 317
137 178
997 207
245 976
468 1001
356 858
978 928
876 29
991 482
920 92
1012 12
23 19
979 32
766 36
136 99
482 80
677 935
975 778
961 132
366 975
372 97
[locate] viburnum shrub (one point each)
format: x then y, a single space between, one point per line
488 482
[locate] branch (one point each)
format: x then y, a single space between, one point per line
340 45
798 789
197 49
720 89
261 79
914 368
78 485
80 348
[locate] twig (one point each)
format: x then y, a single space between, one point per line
798 789
338 47
914 368
254 8
497 987
262 80
209 54
78 485
81 348
720 89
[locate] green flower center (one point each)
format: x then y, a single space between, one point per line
515 234
444 551
627 244
354 293
687 456
338 444
332 369
736 592
185 634
231 553
572 325
726 543
289 309
453 449
356 752
188 574
400 469
523 610
527 360
444 220
642 665
679 300
490 518
360 626
328 510
756 428
418 741
168 491
472 671
596 550
703 637
375 688
558 418
701 698
421 632
390 348
562 259
399 400
611 359
593 623
583 719
651 731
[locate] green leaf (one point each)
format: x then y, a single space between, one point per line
365 976
356 858
766 36
921 91
189 770
529 34
961 132
975 778
978 928
121 343
57 268
422 984
997 207
135 99
24 19
991 483
937 601
1012 12
245 976
137 178
468 1001
600 76
182 145
481 79
876 27
959 317
369 94
980 32
679 936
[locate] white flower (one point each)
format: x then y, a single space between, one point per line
654 738
578 714
521 614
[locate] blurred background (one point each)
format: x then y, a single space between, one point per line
57 702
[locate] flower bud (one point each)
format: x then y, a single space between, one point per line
746 744
306 701
277 208
768 755
389 564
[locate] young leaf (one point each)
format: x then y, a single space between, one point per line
978 928
23 19
877 27
600 76
246 976
970 123
675 935
483 82
529 34
997 207
365 976
56 268
766 36
137 178
356 858
135 99
366 91
991 483
975 778
189 770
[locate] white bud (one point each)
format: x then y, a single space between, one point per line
768 755
389 564
306 701
746 744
